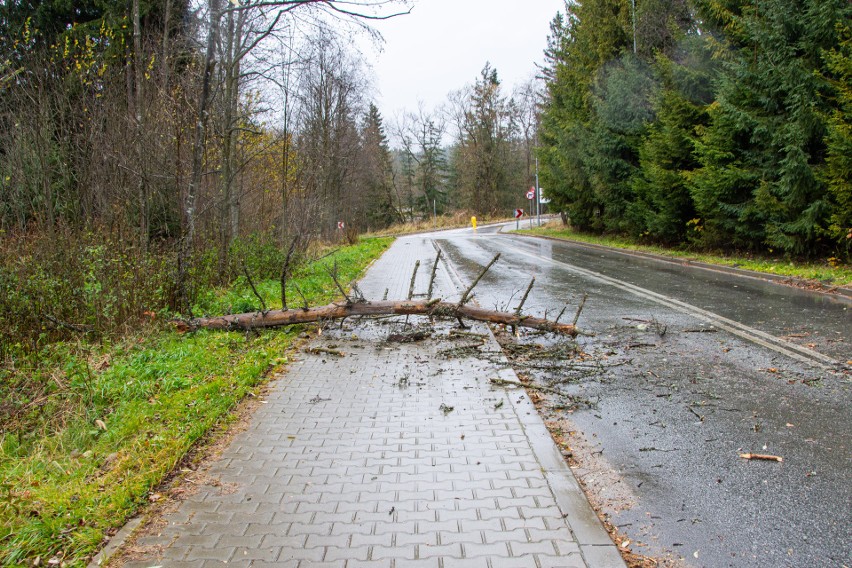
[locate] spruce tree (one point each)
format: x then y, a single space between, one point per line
762 150
837 173
664 210
378 173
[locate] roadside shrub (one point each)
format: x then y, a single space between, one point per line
96 283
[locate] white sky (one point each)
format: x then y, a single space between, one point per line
443 45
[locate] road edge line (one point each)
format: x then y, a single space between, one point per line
843 292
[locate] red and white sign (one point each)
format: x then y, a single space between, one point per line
341 225
519 213
531 193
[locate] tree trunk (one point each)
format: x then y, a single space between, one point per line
189 204
431 308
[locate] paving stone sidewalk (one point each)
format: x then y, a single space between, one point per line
395 455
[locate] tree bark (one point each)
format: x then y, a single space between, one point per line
433 308
187 241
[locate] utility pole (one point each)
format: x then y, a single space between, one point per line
537 194
633 4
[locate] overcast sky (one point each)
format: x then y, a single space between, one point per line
443 45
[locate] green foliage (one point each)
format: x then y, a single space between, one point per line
591 34
378 171
66 479
735 136
622 103
485 165
761 150
837 174
664 206
97 284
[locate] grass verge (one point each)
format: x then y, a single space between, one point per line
829 271
114 419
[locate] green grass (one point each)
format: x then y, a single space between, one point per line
113 420
829 271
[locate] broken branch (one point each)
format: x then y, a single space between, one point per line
765 457
413 278
284 271
253 289
325 351
432 277
579 310
504 382
524 299
466 296
333 274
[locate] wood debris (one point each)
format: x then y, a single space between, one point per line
765 457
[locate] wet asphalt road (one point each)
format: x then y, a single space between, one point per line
704 366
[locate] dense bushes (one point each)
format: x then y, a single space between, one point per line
96 283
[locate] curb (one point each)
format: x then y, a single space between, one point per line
116 542
844 292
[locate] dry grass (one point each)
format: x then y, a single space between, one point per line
453 221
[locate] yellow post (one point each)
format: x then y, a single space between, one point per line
473 222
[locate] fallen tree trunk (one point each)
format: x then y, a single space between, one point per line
431 308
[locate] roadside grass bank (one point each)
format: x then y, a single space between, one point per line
113 418
456 220
831 271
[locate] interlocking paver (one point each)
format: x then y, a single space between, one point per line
352 462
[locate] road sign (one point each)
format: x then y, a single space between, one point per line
519 213
341 225
531 193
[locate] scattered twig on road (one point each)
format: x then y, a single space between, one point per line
504 382
765 457
699 416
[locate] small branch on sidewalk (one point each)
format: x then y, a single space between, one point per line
325 351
